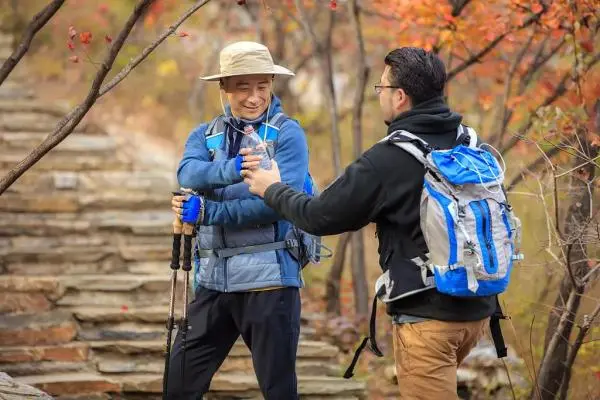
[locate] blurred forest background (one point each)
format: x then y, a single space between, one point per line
524 73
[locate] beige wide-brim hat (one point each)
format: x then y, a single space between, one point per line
246 58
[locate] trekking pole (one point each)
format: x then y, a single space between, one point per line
177 229
188 231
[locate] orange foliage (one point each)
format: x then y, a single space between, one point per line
510 34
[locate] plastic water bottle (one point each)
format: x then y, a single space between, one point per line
252 140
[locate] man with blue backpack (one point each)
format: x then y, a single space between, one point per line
248 259
447 235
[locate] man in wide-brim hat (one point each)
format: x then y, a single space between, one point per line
247 271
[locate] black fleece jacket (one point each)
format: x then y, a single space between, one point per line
384 186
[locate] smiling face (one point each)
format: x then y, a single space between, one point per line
248 95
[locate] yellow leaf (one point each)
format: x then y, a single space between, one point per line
166 68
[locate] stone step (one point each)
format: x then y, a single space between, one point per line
74 202
34 107
11 90
105 266
144 222
72 383
69 352
55 285
57 161
114 364
226 384
48 328
234 384
47 367
89 331
74 143
151 182
307 349
152 314
12 390
27 117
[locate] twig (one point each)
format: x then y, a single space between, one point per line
512 387
532 358
477 56
583 330
68 123
533 166
507 111
559 90
37 23
150 48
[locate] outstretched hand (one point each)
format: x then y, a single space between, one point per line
257 178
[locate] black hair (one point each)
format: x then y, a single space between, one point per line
420 73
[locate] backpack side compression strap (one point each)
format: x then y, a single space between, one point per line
370 340
496 331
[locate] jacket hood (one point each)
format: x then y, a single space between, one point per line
431 116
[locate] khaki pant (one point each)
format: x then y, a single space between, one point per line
428 353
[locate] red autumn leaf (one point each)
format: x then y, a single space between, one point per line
85 37
537 8
74 59
70 45
72 32
588 46
490 36
124 308
333 5
448 17
107 39
183 34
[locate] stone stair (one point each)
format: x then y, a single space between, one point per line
84 281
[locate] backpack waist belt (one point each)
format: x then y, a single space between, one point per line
257 248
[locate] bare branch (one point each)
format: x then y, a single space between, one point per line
507 112
533 166
475 58
150 48
68 123
559 90
458 6
359 280
37 23
583 331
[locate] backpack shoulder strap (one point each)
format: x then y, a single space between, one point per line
214 133
277 120
467 136
410 143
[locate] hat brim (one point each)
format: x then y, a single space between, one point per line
277 70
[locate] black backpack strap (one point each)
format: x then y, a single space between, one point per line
370 340
496 331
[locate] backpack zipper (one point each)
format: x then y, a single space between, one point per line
485 214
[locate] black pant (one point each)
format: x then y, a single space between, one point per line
269 322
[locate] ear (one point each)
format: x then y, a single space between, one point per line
401 99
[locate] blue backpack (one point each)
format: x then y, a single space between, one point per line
308 247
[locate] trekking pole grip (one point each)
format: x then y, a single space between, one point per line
175 253
188 231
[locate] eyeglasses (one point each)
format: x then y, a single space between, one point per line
379 88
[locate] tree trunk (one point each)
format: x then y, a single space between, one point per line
359 276
560 325
332 293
